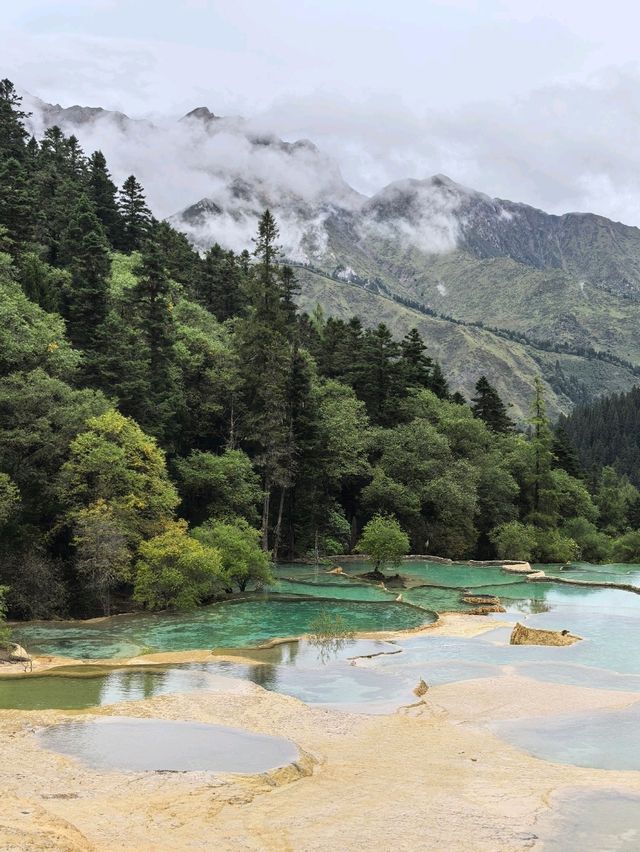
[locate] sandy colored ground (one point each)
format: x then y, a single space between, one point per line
429 777
425 778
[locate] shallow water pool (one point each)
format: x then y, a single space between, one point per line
140 745
596 740
228 624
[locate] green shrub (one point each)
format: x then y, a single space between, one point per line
595 546
244 563
627 547
514 540
384 541
552 546
175 571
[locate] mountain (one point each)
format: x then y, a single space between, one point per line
496 286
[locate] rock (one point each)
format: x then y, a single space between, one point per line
395 581
336 570
536 575
522 635
518 568
483 600
14 653
421 689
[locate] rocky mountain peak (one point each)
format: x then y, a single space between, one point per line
201 113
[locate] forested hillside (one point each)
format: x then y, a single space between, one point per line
607 432
170 422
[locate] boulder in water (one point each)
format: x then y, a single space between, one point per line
521 635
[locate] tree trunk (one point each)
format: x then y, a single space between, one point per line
232 428
265 516
354 533
276 534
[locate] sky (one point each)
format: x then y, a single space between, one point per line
536 102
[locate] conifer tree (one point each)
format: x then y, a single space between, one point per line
437 383
84 249
488 406
136 216
102 191
290 289
378 383
12 132
17 202
565 453
152 301
416 366
541 444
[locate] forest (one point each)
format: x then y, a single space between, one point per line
171 424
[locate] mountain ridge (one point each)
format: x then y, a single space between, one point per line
571 280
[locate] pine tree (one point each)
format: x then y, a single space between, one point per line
541 444
102 191
416 366
84 249
17 202
136 216
152 303
437 383
12 132
290 289
565 453
488 406
378 385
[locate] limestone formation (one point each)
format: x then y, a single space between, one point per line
518 568
522 635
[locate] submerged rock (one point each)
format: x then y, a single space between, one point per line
394 581
521 635
483 600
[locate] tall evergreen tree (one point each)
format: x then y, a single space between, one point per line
541 445
102 191
152 302
84 248
379 382
12 132
136 216
565 453
488 406
416 366
438 383
17 201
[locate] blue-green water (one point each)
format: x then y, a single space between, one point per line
607 658
241 624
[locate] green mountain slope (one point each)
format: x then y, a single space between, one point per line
467 352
